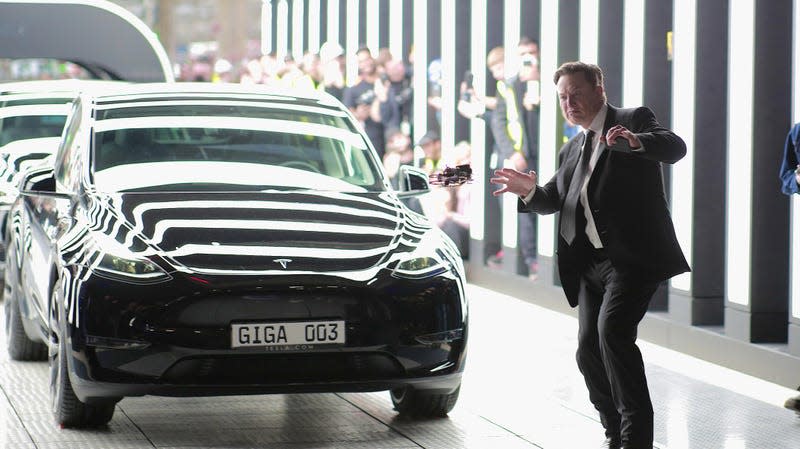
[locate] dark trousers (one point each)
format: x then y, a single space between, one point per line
610 306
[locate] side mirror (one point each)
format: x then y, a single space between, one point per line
41 180
412 181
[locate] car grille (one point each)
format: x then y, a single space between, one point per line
283 368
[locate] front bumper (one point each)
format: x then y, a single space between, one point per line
175 338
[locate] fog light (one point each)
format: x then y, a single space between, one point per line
115 343
441 337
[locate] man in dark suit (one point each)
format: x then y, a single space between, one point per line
616 240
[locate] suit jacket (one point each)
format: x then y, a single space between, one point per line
627 201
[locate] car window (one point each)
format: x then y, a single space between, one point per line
251 150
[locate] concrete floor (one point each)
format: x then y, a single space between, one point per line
521 389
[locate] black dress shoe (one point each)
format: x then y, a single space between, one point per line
611 443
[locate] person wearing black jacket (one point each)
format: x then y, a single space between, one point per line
616 240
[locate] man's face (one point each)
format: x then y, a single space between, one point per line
580 101
528 49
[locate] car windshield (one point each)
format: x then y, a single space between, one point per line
31 118
227 148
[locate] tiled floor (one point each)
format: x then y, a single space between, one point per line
521 390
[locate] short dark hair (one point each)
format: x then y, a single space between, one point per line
592 72
525 40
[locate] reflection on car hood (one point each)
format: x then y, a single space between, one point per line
271 232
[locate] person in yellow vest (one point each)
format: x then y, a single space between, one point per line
515 126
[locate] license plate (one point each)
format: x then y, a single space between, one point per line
297 335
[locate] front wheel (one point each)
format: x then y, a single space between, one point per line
421 404
68 410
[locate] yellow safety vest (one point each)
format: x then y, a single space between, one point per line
513 127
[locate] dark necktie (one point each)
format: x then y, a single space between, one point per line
570 210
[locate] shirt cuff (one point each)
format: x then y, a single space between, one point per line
527 198
638 150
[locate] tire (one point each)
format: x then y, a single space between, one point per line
68 410
420 404
20 347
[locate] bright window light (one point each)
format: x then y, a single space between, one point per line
550 136
282 30
589 20
333 21
740 150
683 99
633 62
478 128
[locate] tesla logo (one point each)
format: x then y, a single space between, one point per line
283 262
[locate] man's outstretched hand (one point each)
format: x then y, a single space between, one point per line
513 181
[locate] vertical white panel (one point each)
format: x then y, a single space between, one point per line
633 60
352 42
333 21
477 133
740 150
314 22
420 68
511 34
548 119
266 26
683 99
448 40
297 29
589 25
282 32
396 28
373 19
794 262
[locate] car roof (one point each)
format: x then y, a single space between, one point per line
64 85
213 91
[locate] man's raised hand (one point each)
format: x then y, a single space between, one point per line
513 181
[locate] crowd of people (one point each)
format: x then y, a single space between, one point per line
380 99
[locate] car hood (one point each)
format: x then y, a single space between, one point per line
352 234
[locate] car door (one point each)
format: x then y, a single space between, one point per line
39 226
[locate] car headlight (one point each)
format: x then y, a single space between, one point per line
119 262
427 260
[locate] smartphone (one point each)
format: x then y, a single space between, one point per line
468 78
467 96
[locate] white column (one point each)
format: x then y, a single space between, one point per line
633 60
297 29
548 119
314 22
420 68
282 30
448 39
683 100
511 35
477 133
352 42
589 24
266 26
741 56
333 21
396 28
373 18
